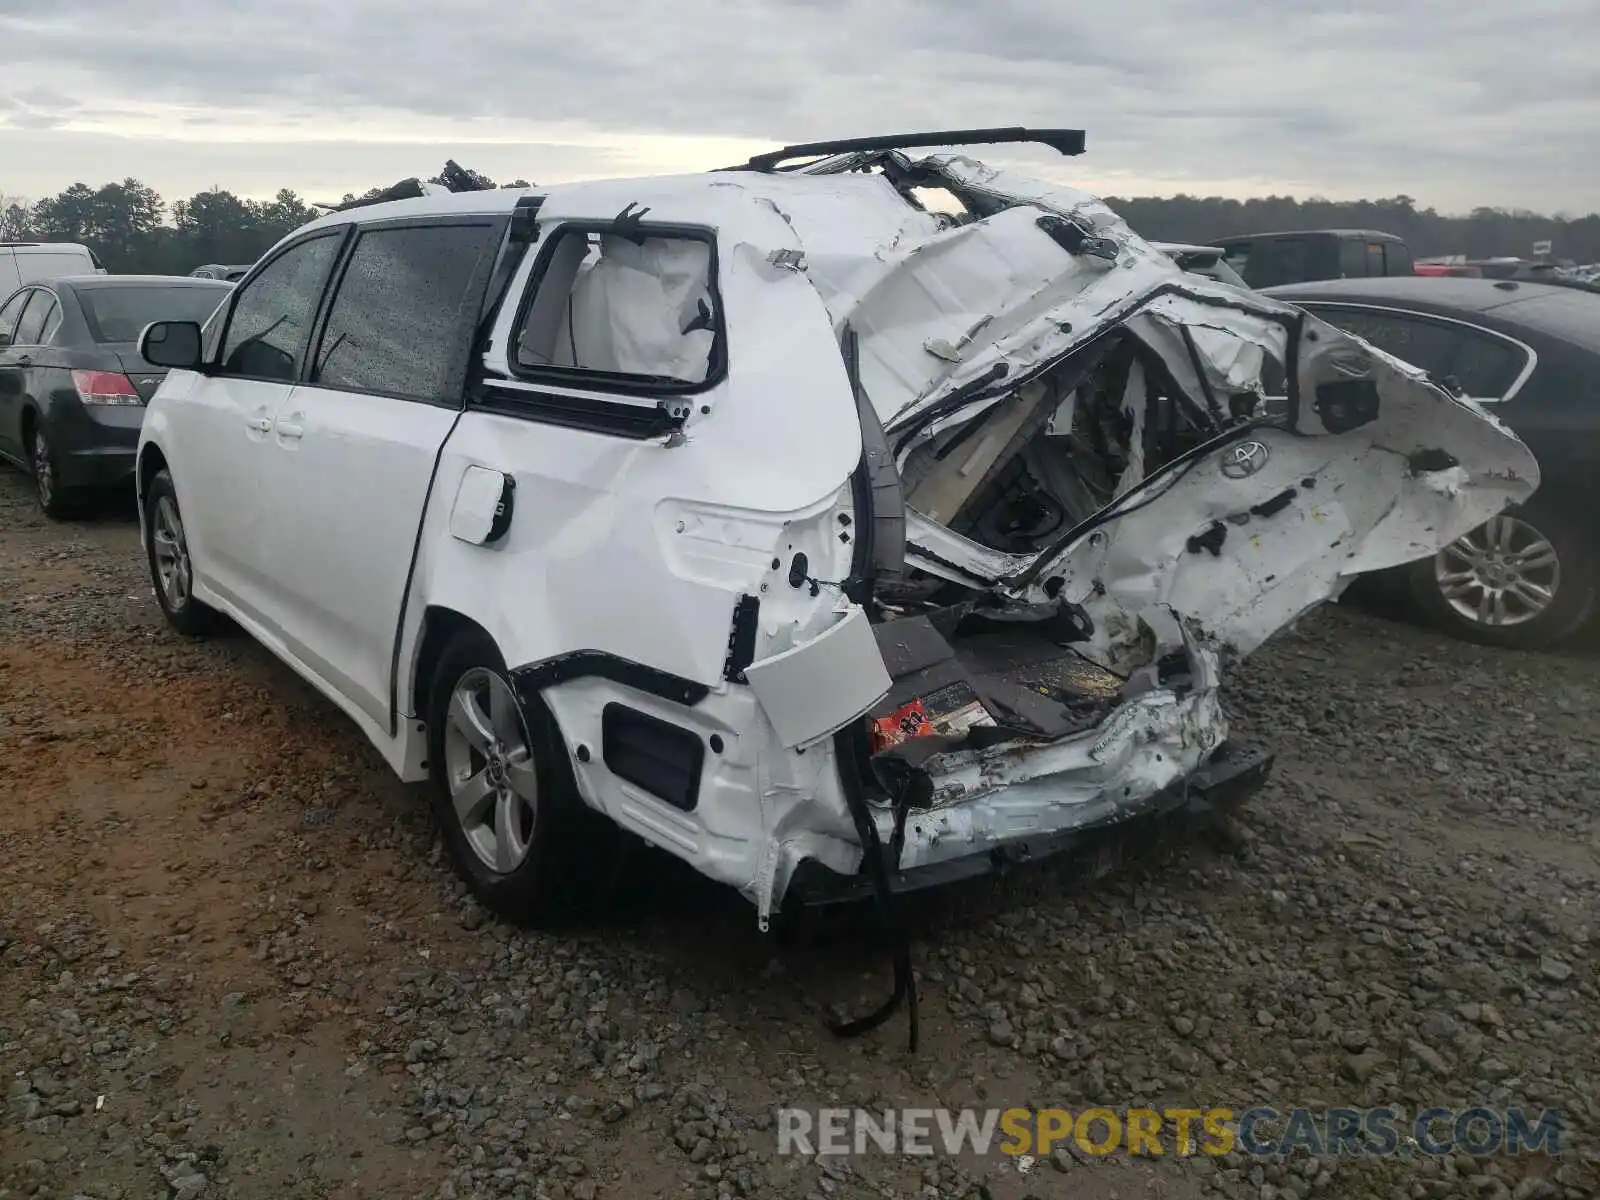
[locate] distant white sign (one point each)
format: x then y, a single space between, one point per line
1543 249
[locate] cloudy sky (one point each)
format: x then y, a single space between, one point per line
1455 102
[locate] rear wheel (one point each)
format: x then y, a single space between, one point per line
1525 579
54 499
171 568
503 791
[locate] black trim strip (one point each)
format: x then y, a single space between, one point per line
522 231
1068 142
614 417
1198 366
411 572
742 639
601 664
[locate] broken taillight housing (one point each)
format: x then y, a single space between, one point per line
105 387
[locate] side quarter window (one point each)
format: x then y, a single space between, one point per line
1485 364
406 310
272 314
31 328
52 322
1481 363
1421 343
10 313
638 314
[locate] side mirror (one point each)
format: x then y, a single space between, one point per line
5 338
173 344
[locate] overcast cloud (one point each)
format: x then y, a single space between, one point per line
1455 103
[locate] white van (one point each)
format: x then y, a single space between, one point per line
27 262
738 518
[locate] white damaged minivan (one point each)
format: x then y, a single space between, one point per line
824 538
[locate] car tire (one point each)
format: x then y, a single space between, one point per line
1536 546
503 790
166 547
55 501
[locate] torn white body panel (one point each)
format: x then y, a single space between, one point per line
812 689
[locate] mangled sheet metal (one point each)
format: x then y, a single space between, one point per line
1365 464
1117 478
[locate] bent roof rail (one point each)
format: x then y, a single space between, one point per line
1065 141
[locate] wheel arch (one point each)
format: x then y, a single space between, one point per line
440 624
151 461
1566 496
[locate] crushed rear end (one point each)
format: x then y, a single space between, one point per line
1077 510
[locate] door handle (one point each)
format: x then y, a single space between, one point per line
24 360
290 431
261 424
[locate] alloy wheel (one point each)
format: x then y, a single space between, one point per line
171 554
1503 573
490 770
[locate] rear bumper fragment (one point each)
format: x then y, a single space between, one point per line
1224 782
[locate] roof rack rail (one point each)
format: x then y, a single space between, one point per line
1065 141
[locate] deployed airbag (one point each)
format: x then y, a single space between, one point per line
642 308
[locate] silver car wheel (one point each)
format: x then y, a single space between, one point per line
490 770
1501 574
171 554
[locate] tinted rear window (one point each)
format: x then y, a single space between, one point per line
119 314
1571 315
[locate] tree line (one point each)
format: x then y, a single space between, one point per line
134 230
1482 233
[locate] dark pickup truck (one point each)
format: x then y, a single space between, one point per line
1307 255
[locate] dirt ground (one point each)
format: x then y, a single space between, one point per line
234 963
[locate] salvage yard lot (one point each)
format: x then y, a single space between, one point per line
233 961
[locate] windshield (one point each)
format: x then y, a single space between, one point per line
119 314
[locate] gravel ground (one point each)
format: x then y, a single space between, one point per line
234 963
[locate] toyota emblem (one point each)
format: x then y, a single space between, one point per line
1244 460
